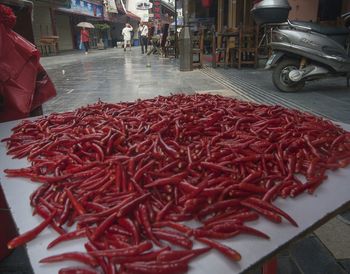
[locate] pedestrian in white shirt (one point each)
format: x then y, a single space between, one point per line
126 32
143 29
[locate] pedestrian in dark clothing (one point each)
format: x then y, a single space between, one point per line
143 29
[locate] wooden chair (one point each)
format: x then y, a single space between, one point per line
246 49
156 49
226 42
198 49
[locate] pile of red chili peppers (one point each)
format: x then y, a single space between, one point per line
130 175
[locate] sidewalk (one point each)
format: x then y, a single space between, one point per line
113 75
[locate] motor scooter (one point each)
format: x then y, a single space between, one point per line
306 51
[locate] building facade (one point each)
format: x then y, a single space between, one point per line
232 13
59 18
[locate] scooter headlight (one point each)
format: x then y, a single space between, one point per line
279 37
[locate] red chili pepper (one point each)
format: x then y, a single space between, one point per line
251 188
267 213
214 234
101 261
251 177
45 213
85 258
167 149
163 211
123 210
170 180
172 237
145 257
31 234
216 167
77 270
177 226
142 170
144 218
178 254
227 216
34 197
79 233
271 194
128 251
232 226
158 267
218 206
78 207
271 207
225 250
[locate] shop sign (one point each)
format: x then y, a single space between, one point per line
157 9
111 6
84 7
143 5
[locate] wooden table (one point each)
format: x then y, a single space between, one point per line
310 211
48 44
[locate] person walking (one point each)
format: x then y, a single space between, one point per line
84 36
143 29
126 32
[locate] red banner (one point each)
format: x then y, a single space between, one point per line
157 10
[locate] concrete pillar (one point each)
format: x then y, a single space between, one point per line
186 57
232 10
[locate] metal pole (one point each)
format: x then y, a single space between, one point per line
176 40
186 57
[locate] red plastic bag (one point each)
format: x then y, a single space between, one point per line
44 89
24 84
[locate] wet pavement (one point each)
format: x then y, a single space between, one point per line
114 75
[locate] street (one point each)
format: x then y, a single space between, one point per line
112 75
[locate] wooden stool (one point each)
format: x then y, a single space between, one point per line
48 45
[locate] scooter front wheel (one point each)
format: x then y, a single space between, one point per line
280 76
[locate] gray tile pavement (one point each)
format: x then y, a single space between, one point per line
312 257
327 97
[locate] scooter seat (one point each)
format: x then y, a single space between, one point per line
329 31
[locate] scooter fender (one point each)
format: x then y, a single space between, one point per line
274 58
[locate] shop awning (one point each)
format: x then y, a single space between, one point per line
20 3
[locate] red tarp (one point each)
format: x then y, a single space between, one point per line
24 86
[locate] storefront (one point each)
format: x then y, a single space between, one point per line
42 23
63 28
66 19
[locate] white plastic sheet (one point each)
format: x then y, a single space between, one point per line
305 209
